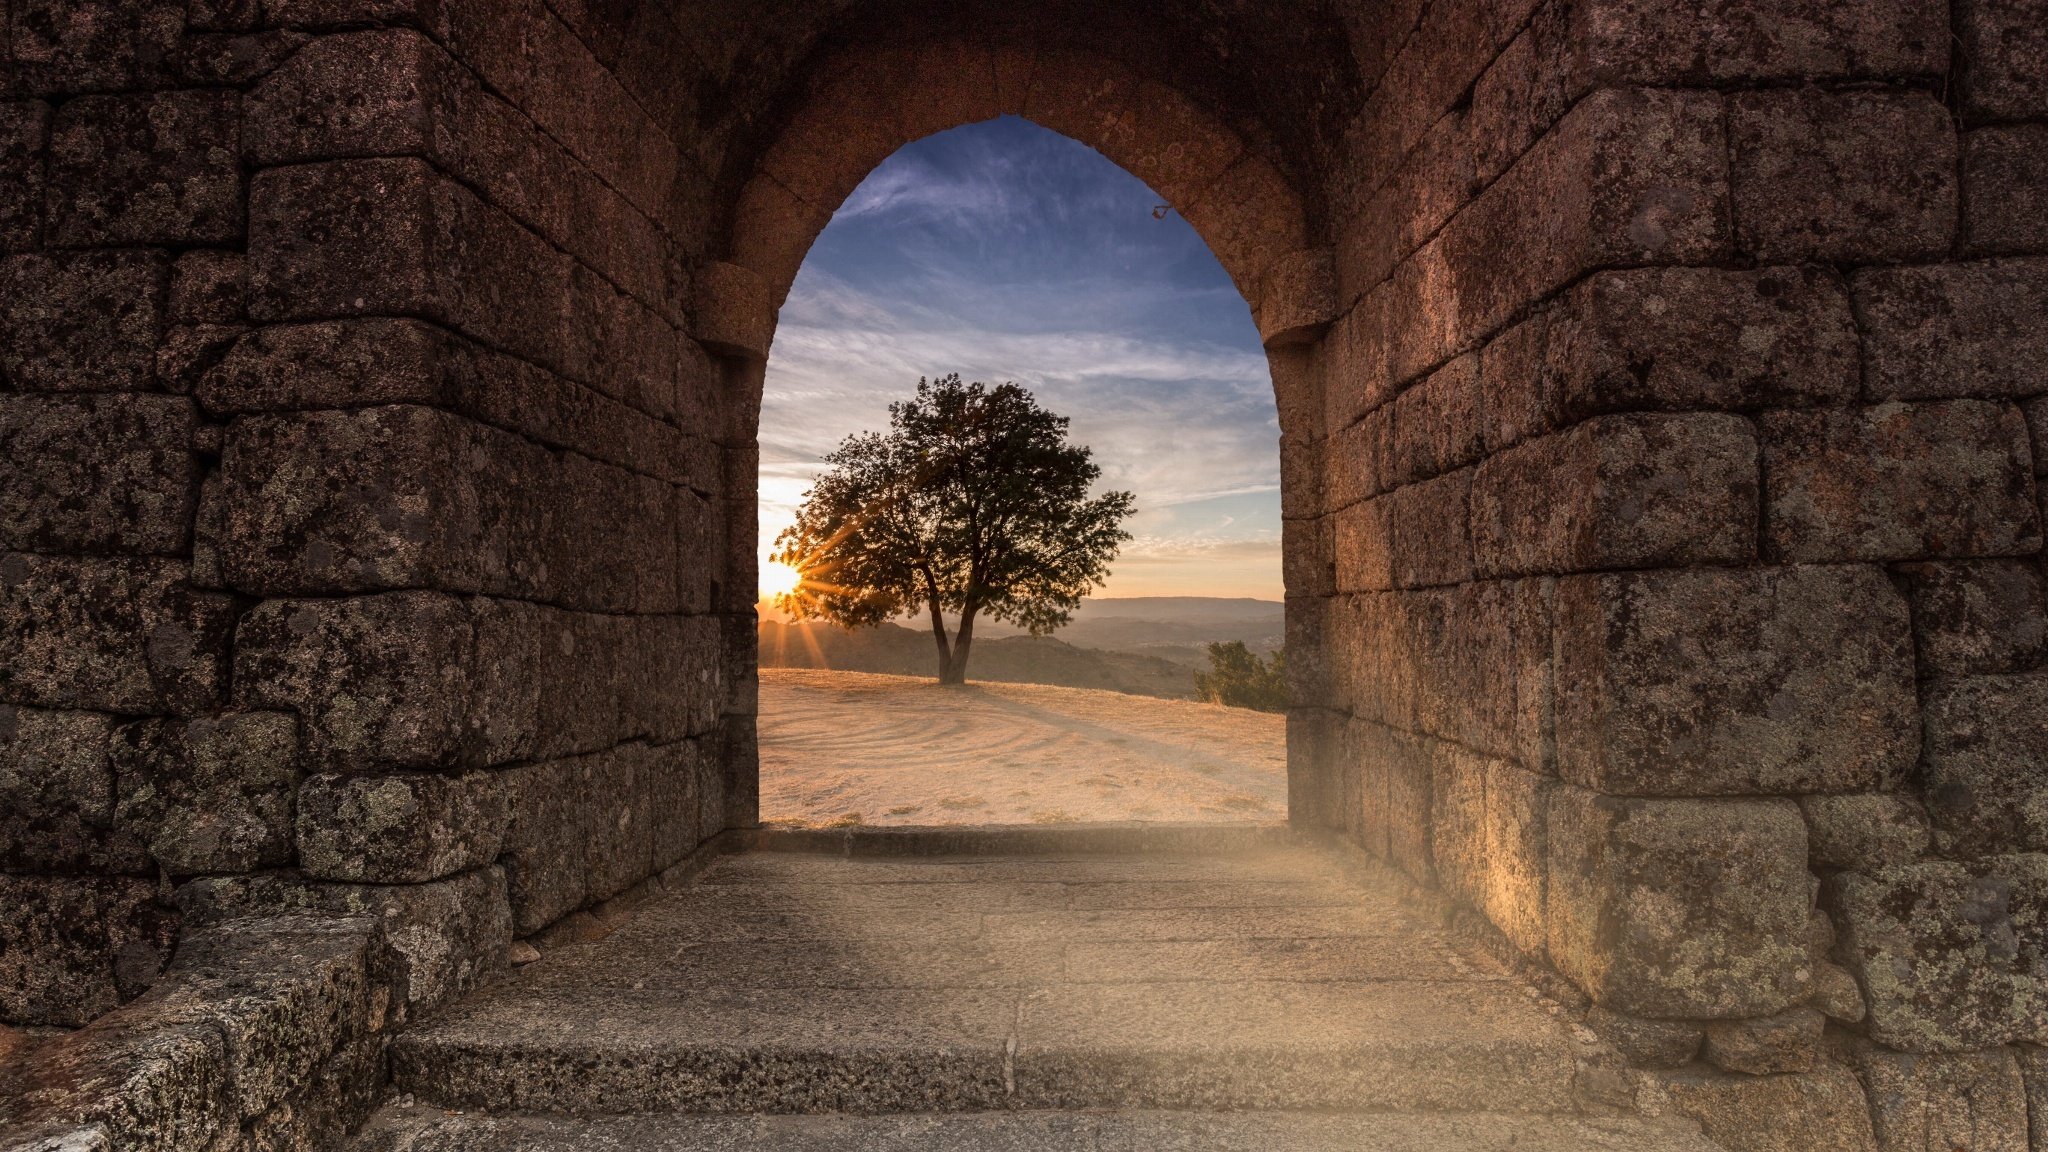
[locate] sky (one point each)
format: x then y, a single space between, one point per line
1003 251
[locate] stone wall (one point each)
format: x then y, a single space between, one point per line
373 521
1672 540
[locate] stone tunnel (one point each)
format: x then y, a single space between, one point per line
1663 389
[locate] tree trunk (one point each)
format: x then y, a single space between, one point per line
963 641
939 631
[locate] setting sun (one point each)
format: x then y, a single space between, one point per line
778 579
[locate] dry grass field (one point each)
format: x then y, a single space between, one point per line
855 747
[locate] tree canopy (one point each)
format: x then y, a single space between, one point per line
973 503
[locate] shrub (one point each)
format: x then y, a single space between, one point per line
1238 678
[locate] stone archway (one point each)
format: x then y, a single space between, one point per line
855 113
1663 523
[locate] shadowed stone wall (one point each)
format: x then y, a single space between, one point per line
378 385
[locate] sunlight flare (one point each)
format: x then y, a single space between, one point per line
779 579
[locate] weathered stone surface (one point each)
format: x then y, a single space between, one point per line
1865 832
1850 177
1679 908
1802 681
24 127
285 992
159 168
434 942
1435 424
210 794
1619 492
57 793
130 1081
1819 1111
1681 338
73 947
380 682
1980 617
1921 1103
392 237
1645 42
1950 330
104 473
733 315
2005 190
1899 482
1429 539
2003 52
1947 953
81 321
1836 994
1982 772
357 363
1647 1043
63 46
113 635
1786 1042
404 829
209 286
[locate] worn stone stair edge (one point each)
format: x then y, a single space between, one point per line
1103 839
407 1127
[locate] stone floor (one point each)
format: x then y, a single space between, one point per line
1046 1001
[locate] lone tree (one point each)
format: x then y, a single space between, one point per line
973 502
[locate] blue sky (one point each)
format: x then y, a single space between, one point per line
1002 251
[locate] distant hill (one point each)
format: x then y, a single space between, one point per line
1012 659
1173 627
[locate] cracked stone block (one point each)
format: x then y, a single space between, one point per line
379 682
1801 680
1982 771
150 168
1679 908
1819 1111
57 794
1627 491
433 942
1951 478
1922 1103
1649 42
81 321
75 947
132 1082
2005 189
113 635
100 473
1948 953
1956 330
1851 177
1865 832
403 829
545 841
211 794
1685 338
286 993
1978 617
1786 1042
24 127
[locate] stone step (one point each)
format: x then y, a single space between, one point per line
805 984
416 1128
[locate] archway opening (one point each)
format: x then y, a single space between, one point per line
1005 252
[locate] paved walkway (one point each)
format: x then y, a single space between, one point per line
996 999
